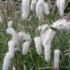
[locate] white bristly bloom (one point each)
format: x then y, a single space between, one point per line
12 32
46 9
25 47
61 6
14 44
33 5
24 36
10 23
56 58
43 29
9 55
40 9
61 24
14 35
38 46
14 68
25 9
0 19
49 35
47 52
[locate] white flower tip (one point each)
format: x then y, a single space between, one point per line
33 5
61 6
47 54
14 68
56 58
10 23
24 17
9 30
57 51
0 19
46 9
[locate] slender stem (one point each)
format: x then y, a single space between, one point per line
51 68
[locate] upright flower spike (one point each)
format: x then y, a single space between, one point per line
38 46
61 6
49 35
25 47
40 10
33 5
9 55
46 9
25 9
56 58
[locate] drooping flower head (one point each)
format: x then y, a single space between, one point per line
33 5
61 6
38 46
25 9
40 9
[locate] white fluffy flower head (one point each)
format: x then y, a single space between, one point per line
25 9
61 6
25 47
33 5
40 9
38 46
10 23
46 9
61 24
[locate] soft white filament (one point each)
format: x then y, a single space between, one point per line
40 9
61 6
38 46
56 58
0 19
33 5
9 55
25 47
46 9
25 9
10 23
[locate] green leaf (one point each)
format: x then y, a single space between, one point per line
55 29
